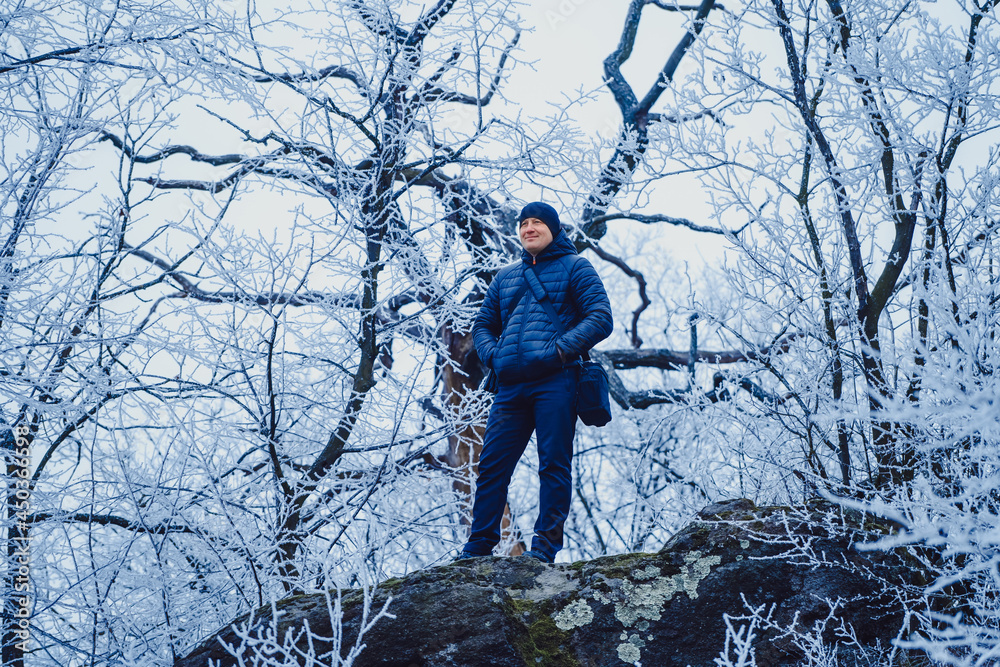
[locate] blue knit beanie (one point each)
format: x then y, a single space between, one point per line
543 212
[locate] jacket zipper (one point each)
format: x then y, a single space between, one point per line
520 330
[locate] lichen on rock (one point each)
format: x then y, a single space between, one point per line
698 568
647 600
630 650
574 615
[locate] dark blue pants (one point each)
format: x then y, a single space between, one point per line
547 407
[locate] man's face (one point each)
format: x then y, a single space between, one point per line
535 235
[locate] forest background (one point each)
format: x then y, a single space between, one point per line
243 247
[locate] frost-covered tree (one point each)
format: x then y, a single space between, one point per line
240 248
855 147
62 69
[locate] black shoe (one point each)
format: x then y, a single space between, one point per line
465 555
537 555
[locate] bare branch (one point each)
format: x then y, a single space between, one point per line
655 218
189 289
461 98
634 137
831 165
428 21
673 7
111 520
639 278
66 54
637 400
192 153
619 87
670 67
673 360
329 72
377 27
905 218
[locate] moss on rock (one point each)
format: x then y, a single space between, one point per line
542 642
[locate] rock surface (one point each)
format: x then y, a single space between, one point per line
661 609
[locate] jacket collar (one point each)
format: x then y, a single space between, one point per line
560 246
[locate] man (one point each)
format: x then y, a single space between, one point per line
536 366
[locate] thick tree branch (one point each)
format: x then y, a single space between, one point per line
111 520
830 163
428 21
640 400
673 360
904 217
634 136
670 67
673 7
194 154
615 80
637 400
250 166
410 327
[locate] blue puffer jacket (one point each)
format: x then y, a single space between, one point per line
526 350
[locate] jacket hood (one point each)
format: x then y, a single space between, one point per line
561 245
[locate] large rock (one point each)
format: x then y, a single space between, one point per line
799 568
